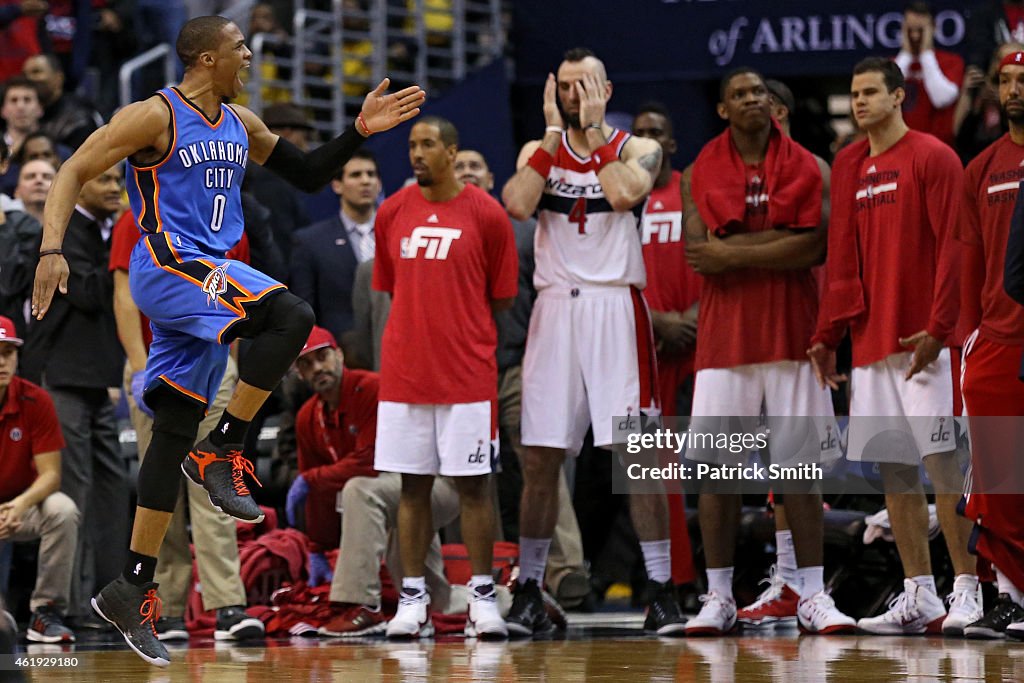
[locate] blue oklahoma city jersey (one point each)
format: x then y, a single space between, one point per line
195 189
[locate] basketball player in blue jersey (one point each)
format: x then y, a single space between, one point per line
188 153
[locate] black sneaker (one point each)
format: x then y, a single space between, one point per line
234 624
663 614
47 626
993 625
134 611
221 471
171 628
528 615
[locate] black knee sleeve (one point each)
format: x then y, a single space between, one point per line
175 426
278 329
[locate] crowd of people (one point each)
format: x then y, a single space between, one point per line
401 339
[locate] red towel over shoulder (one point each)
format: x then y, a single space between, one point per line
793 184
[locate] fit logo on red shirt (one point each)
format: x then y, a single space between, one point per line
435 242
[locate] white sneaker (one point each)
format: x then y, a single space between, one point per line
964 608
413 617
716 618
484 619
818 614
913 612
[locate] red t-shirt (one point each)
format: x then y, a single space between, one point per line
990 190
126 235
335 446
907 202
672 284
443 263
755 315
28 427
918 110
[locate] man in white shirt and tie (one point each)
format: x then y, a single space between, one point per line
325 255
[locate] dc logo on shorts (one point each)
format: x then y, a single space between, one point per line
479 456
216 283
16 434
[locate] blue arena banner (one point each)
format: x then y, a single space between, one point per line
700 39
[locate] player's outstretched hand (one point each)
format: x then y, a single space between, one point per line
926 350
383 111
51 275
823 361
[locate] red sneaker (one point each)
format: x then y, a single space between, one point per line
354 620
777 605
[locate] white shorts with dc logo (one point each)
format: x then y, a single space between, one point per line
897 420
452 440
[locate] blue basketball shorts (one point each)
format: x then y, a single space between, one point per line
193 301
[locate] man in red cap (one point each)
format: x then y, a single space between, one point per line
336 431
31 504
992 353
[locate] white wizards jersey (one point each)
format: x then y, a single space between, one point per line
580 239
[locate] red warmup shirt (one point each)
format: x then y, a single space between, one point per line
333 447
990 190
906 204
672 285
918 111
28 427
443 263
755 315
123 239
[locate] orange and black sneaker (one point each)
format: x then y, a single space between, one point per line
221 471
134 611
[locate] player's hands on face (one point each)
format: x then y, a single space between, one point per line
51 275
591 92
710 257
382 111
552 117
926 350
823 361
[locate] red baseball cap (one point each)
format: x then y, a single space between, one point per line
318 339
8 333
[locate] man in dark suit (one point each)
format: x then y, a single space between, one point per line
325 255
74 352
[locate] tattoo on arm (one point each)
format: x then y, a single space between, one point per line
651 162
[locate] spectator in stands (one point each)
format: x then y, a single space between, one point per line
286 204
933 76
31 504
325 254
276 47
19 237
19 33
990 24
113 43
34 181
159 21
978 119
20 111
213 533
76 350
370 310
39 145
566 574
66 118
336 431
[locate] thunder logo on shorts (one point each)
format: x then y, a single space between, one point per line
196 186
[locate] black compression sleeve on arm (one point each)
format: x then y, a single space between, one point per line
310 171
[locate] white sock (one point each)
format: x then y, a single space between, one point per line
812 580
926 581
1008 587
786 557
657 559
481 580
533 558
720 581
416 583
